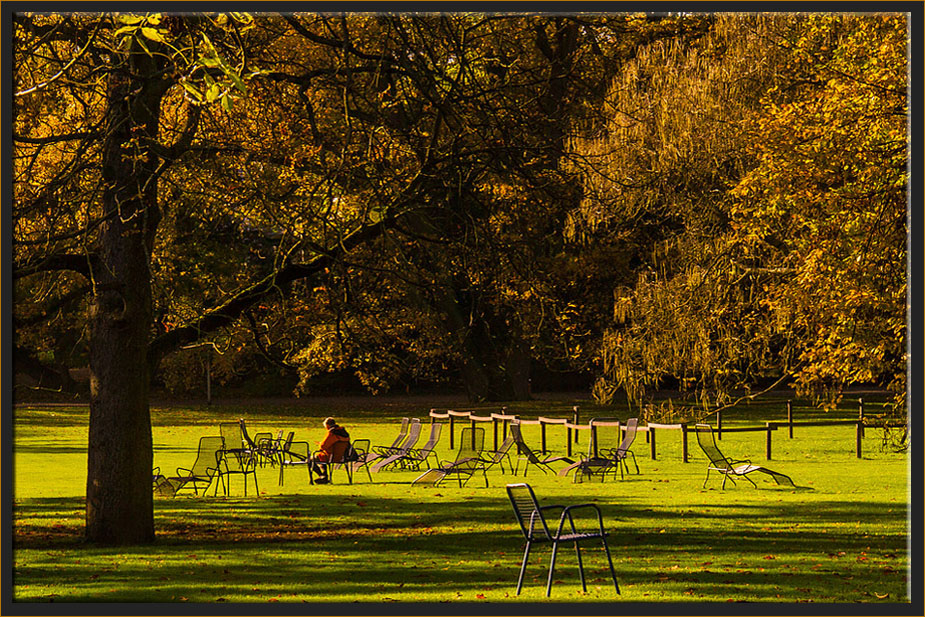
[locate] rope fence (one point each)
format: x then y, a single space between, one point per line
573 429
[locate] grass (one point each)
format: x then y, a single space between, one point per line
842 537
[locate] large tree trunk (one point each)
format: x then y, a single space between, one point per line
120 508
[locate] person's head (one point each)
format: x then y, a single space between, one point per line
330 423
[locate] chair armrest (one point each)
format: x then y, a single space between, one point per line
567 514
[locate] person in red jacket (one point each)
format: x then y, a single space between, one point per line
326 448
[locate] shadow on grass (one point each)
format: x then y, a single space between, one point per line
310 547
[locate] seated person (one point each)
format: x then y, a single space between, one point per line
326 448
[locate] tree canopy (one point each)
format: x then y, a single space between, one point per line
716 201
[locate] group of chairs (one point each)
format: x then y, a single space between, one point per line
233 452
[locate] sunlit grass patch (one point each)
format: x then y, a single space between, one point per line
841 537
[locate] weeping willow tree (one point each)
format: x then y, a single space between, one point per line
765 164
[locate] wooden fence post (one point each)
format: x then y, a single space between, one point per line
790 417
451 432
651 433
861 418
859 438
575 422
719 424
684 442
543 436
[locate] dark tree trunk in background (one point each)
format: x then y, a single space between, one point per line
120 455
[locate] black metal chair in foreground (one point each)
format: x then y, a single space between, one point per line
535 529
531 457
729 467
468 461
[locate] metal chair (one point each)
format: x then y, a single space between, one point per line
201 473
467 462
357 456
402 433
387 460
337 457
604 455
728 467
236 461
530 516
411 458
501 454
294 454
529 456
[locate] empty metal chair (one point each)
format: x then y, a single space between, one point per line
727 466
530 516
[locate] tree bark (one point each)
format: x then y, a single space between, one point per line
120 507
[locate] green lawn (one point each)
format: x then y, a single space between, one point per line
842 537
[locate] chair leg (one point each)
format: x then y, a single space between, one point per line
523 568
581 569
613 574
552 567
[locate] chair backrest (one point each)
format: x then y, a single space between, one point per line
528 513
435 430
298 451
708 444
414 433
248 442
402 433
605 436
629 435
286 444
358 450
207 455
498 454
522 448
471 443
231 432
339 451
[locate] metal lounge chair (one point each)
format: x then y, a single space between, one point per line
413 458
501 454
202 471
468 461
727 467
533 525
414 433
601 446
529 456
604 456
231 433
402 433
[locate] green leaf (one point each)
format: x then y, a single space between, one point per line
193 90
130 19
125 30
153 34
213 92
238 82
226 103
